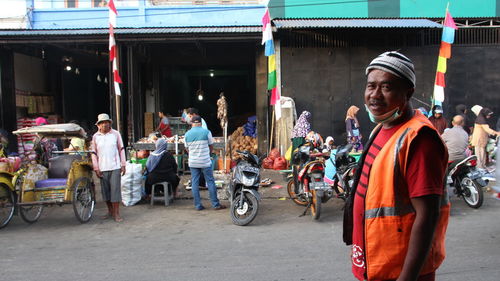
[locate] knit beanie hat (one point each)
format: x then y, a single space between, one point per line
396 64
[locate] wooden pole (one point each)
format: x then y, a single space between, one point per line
272 130
225 147
118 117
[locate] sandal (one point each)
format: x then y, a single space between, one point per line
106 216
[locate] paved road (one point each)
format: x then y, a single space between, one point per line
178 243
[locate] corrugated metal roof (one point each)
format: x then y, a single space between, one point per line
354 23
159 30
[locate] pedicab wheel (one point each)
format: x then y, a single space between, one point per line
30 214
297 199
83 199
315 205
7 204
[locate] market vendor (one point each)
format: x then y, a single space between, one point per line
164 126
160 167
192 112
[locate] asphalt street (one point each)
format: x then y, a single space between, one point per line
179 243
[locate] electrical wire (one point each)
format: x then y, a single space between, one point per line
201 9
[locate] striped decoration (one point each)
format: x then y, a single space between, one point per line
267 40
447 39
112 47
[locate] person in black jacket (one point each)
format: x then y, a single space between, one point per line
160 167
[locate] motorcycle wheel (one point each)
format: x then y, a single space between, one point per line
472 193
246 213
300 200
315 204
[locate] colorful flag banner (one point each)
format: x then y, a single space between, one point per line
447 38
113 54
272 81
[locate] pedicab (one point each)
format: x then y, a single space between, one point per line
65 178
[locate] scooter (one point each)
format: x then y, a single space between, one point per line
308 187
467 181
243 189
345 168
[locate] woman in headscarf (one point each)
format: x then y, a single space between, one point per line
301 129
160 167
480 136
329 143
352 128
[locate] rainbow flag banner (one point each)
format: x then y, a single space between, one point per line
272 81
447 38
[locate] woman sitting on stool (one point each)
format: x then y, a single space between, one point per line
160 167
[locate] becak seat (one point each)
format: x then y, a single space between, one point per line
60 166
50 183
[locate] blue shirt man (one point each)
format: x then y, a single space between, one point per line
199 145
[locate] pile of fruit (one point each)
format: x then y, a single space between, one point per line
241 142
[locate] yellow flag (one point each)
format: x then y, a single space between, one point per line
271 63
441 65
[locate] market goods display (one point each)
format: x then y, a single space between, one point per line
241 142
222 110
274 161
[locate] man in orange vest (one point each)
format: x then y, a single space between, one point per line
397 213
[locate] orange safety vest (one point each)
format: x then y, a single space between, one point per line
389 214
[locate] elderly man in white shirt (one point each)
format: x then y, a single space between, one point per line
108 162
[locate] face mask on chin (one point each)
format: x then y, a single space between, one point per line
385 118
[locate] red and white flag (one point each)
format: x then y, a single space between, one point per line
112 47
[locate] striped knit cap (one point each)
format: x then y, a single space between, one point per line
394 63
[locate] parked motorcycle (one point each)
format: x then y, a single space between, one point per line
306 187
467 181
243 189
346 167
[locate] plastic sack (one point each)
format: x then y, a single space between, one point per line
279 163
267 163
131 184
288 154
275 153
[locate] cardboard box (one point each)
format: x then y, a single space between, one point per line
148 123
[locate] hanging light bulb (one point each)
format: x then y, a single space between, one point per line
67 67
99 78
77 71
106 80
200 97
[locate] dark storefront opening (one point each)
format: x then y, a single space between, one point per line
61 83
194 75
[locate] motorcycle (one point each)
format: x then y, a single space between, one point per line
345 169
306 187
243 189
467 181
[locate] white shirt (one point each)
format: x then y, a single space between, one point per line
110 155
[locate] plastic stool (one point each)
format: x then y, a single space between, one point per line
168 194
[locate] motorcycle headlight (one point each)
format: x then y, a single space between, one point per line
247 181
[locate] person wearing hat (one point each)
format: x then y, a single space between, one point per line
438 120
199 142
480 135
109 164
397 213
